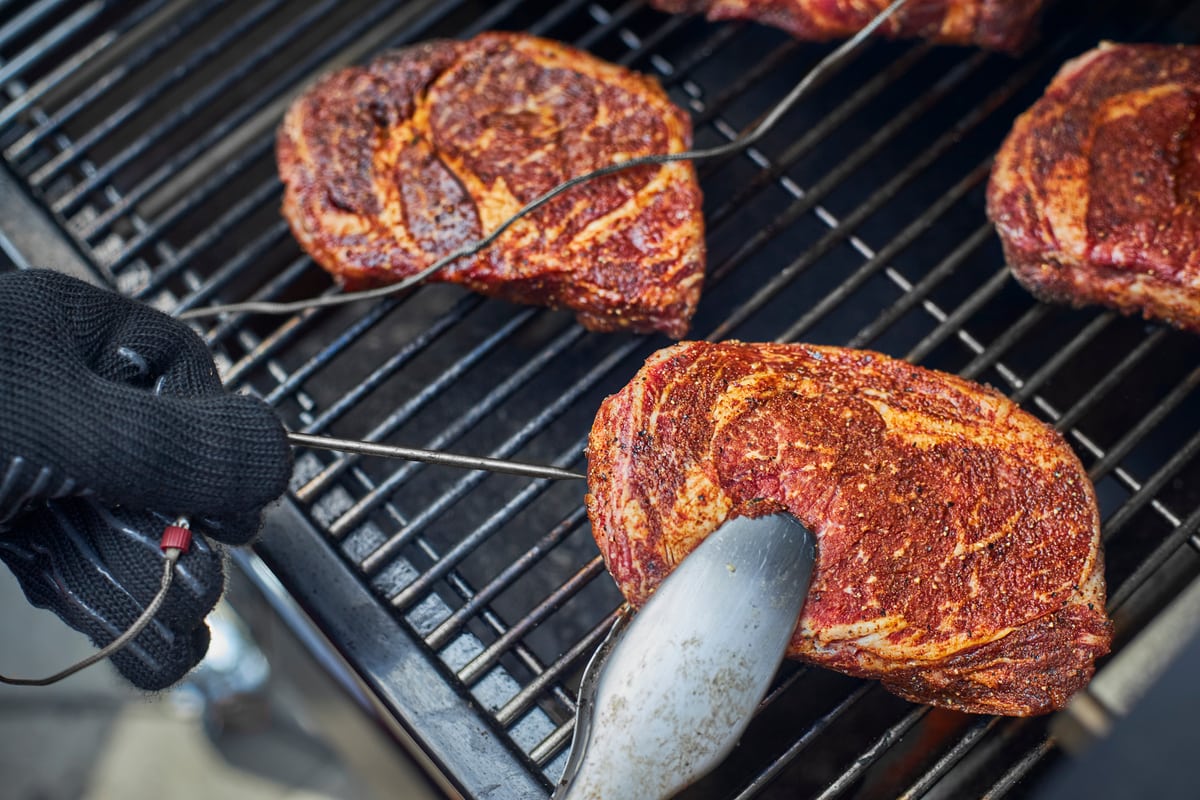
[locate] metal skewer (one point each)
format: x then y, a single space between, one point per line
432 457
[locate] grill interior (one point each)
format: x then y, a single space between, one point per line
470 602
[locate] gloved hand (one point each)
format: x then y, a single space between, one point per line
113 421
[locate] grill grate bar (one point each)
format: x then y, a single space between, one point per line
103 221
523 700
652 42
1063 356
468 482
31 94
364 506
50 40
526 657
558 13
816 729
706 113
952 324
951 757
213 235
1001 344
220 132
676 73
1151 488
881 259
272 288
321 481
892 735
1018 770
818 133
1144 425
840 229
235 266
73 64
325 355
100 86
477 666
98 132
1110 380
780 689
441 635
811 197
1184 534
427 336
918 292
71 202
483 22
283 334
27 19
640 48
1122 475
609 22
553 744
187 204
414 591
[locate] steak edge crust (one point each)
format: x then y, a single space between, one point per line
1002 25
390 166
1094 193
958 556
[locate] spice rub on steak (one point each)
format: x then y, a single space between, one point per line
958 555
1004 25
390 166
1096 191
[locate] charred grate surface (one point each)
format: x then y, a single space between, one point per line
145 131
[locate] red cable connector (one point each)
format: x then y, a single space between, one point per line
177 537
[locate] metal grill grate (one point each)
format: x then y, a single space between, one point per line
141 135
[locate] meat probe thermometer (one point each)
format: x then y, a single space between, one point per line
431 456
667 694
177 536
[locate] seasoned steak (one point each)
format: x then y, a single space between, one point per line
1004 25
1094 193
390 166
958 555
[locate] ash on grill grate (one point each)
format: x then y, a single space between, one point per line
146 131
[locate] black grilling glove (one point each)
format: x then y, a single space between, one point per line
113 421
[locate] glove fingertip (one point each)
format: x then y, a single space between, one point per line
185 653
231 529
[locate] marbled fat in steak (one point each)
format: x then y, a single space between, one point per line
1005 25
958 556
387 167
1096 191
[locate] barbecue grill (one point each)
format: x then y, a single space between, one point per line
137 142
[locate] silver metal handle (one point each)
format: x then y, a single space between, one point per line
431 457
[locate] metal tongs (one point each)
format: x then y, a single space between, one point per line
671 689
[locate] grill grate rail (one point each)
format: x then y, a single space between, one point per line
495 575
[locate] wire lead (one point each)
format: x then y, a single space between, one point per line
170 556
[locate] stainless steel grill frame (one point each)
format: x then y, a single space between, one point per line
137 149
